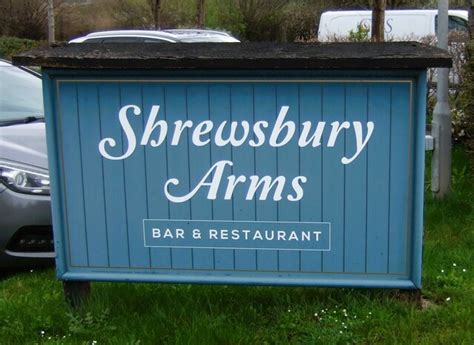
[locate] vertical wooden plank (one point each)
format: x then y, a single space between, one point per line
93 178
135 180
178 166
355 182
310 166
417 135
243 159
266 164
114 188
199 165
56 173
71 147
333 176
156 170
399 172
378 176
288 166
219 111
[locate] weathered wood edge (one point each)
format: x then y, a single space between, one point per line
240 56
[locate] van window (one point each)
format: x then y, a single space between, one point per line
454 24
457 24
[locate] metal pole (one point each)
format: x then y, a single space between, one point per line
441 163
51 36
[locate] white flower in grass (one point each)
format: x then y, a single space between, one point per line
454 264
464 270
448 299
289 310
442 271
42 333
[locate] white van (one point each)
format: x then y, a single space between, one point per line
400 25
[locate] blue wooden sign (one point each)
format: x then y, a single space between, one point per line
303 178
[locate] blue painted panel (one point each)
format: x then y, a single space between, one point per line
265 165
58 203
417 179
92 174
355 197
368 202
199 163
243 158
220 111
178 166
73 179
288 166
157 171
113 177
399 179
311 165
135 180
378 177
333 176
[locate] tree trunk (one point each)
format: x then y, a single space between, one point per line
378 20
51 34
157 14
200 13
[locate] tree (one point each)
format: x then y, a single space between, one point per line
155 6
23 18
378 20
200 19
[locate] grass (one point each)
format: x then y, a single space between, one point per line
32 308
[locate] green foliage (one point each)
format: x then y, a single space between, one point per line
89 323
300 21
225 15
359 35
452 277
466 117
10 46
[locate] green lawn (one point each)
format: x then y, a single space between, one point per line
32 309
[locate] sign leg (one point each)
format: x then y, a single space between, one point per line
76 292
410 296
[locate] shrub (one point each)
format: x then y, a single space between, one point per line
10 46
467 96
359 35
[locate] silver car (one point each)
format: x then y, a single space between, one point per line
25 213
155 36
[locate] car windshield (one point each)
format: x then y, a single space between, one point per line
20 94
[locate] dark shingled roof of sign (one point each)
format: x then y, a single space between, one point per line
243 56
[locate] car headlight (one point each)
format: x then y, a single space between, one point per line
24 179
